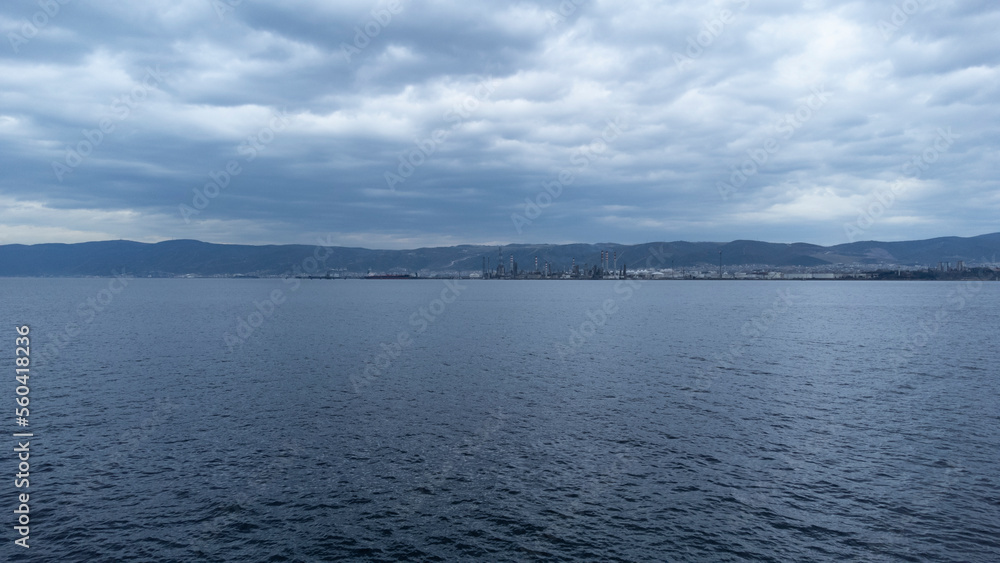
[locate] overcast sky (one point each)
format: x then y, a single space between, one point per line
425 123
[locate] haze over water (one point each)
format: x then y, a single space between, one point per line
722 421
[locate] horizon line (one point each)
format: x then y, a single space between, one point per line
483 245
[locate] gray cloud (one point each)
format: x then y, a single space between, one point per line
698 88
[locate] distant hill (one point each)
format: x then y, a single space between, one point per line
191 257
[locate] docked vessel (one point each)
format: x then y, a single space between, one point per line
371 276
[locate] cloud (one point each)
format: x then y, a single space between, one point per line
698 88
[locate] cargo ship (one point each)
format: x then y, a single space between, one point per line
371 276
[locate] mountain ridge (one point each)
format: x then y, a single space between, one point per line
192 257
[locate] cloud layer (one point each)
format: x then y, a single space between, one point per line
398 124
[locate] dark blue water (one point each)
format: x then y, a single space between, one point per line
507 421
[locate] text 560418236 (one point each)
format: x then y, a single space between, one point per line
22 371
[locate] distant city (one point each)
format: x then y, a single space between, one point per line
609 268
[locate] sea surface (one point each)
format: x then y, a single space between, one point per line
358 420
